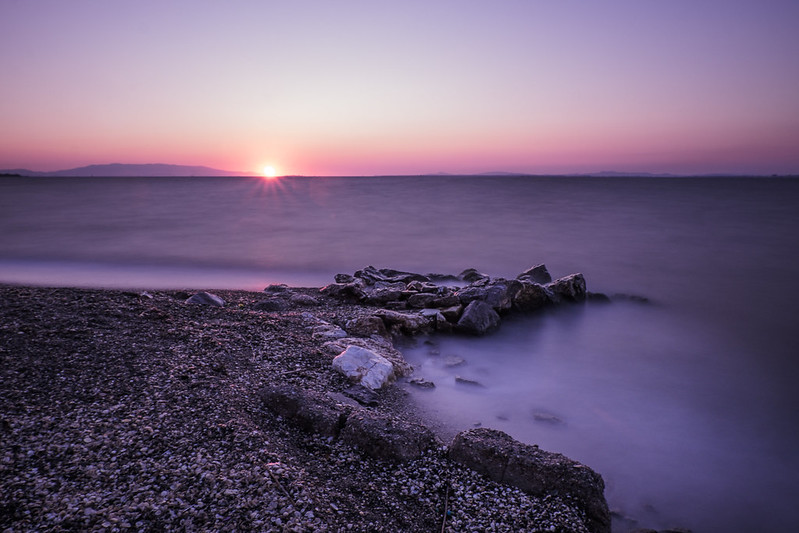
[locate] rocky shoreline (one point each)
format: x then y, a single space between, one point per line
126 410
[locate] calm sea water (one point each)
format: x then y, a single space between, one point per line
687 406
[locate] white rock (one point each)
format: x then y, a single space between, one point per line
365 366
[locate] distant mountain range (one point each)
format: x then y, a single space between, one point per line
117 170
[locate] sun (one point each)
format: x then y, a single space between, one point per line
269 172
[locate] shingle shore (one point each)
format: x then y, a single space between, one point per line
126 411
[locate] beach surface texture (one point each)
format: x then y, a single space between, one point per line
130 410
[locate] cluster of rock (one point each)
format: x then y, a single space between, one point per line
437 304
489 452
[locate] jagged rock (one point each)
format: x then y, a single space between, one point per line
351 292
366 326
467 381
422 383
310 411
503 459
478 318
387 438
403 323
571 288
365 366
344 278
498 294
422 300
452 314
470 275
382 296
531 297
371 275
206 298
423 286
536 274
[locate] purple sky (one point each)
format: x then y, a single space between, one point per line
408 87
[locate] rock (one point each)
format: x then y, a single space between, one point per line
327 331
423 286
362 395
344 278
206 298
478 318
498 294
378 345
303 299
277 288
351 292
452 314
387 438
403 323
549 418
467 381
536 274
272 305
503 459
470 275
366 326
371 275
453 360
422 300
531 297
383 296
571 288
310 411
365 366
422 383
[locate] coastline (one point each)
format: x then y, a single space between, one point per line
130 410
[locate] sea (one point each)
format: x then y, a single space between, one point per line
682 392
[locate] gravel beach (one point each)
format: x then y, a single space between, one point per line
135 411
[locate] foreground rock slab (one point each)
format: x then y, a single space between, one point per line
501 458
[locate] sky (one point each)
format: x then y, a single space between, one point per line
411 87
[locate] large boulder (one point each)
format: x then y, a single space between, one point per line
387 438
498 294
502 459
478 318
365 366
536 274
470 275
531 297
570 288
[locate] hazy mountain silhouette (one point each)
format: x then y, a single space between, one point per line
123 170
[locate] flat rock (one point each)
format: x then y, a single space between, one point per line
501 458
387 438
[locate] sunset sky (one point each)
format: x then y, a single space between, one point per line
362 88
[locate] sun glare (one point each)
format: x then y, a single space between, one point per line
269 172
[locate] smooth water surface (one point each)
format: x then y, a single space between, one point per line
686 406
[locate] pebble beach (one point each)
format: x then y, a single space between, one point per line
135 411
